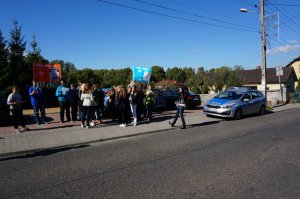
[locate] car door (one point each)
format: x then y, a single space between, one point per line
256 101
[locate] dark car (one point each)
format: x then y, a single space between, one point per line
160 101
193 100
4 111
171 96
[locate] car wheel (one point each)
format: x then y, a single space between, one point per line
238 114
262 110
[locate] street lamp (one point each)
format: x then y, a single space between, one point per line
263 46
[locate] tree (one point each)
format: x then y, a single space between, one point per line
298 86
3 64
19 72
158 74
176 74
34 56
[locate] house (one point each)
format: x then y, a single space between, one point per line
296 65
252 78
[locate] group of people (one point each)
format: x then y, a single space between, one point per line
89 103
127 105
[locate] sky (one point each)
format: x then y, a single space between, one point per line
114 34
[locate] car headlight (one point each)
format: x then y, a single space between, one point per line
227 106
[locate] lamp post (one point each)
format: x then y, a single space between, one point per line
263 47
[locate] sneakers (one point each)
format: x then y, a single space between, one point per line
82 126
123 125
171 124
92 124
87 127
23 129
17 131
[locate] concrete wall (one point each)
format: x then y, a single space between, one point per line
273 96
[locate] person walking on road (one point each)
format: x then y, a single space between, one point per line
181 103
63 95
14 100
37 98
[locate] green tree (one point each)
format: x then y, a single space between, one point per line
3 64
19 72
176 74
158 74
298 86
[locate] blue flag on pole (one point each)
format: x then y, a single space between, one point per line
141 74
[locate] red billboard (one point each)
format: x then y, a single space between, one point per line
46 72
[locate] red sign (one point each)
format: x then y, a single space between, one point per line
46 72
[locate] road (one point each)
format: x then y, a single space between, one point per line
256 157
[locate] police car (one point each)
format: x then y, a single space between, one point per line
235 103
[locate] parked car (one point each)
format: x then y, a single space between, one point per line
193 100
160 100
235 103
4 111
171 96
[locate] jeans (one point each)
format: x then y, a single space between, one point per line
133 111
179 113
36 109
86 115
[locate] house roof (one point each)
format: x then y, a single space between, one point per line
254 76
296 59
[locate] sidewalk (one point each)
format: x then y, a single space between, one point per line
55 135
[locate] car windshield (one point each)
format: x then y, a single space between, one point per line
230 95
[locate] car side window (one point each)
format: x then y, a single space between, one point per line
246 96
254 94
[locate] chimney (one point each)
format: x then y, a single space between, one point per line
258 67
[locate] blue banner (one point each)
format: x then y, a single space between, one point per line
141 74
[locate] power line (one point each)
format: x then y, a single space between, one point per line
281 4
174 17
208 11
195 15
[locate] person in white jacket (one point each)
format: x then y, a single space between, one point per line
87 104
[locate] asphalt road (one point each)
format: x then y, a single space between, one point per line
256 157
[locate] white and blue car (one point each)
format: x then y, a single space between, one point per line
235 103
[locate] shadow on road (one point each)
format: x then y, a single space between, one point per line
203 124
46 152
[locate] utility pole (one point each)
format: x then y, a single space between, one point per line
263 49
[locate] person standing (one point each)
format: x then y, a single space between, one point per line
95 112
133 97
122 105
37 99
14 100
149 100
87 105
63 95
74 99
112 110
181 103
